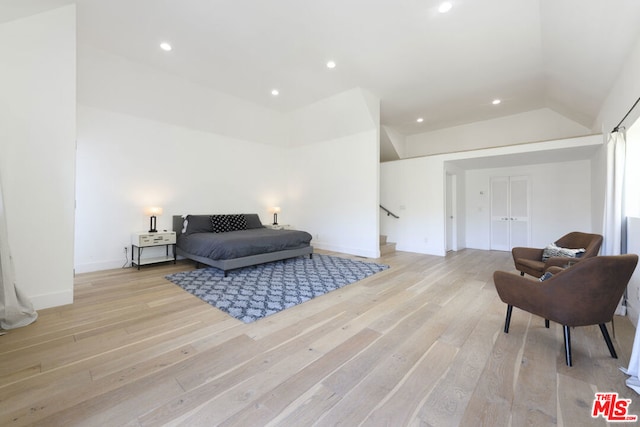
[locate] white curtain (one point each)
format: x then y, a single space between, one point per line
615 228
615 232
15 309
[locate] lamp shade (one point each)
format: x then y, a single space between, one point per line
153 211
276 209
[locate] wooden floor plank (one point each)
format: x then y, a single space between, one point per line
276 401
446 404
402 403
418 344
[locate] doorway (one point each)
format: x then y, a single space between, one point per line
451 243
510 222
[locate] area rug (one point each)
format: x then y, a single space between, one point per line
251 293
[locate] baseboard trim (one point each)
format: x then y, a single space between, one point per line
99 266
351 251
54 299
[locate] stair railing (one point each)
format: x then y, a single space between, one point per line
389 213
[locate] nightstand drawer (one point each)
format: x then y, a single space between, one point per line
145 240
279 227
153 239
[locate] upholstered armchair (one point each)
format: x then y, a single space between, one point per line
587 293
529 260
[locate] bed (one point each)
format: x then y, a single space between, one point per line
234 241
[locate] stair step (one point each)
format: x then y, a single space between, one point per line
387 248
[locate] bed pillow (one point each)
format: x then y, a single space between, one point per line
198 224
237 222
220 223
545 276
553 250
253 221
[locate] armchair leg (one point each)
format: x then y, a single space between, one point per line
607 339
522 273
613 328
546 323
567 345
507 321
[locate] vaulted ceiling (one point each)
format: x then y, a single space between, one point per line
443 67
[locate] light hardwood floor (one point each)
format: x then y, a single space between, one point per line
419 344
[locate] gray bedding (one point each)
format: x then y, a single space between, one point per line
242 243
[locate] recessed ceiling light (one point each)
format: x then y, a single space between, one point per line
165 46
496 101
331 64
419 120
445 7
275 92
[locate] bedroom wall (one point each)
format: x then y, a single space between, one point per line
37 151
339 208
142 141
126 163
334 172
415 189
537 125
558 205
622 96
150 138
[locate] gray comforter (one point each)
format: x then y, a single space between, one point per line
242 243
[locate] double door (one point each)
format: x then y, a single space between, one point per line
510 207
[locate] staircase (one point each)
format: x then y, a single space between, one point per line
386 247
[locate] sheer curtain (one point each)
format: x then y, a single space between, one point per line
15 309
615 232
615 227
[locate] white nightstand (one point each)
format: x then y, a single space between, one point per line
145 239
279 226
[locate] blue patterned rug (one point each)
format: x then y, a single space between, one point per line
251 293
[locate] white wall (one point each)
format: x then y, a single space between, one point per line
622 96
560 202
37 151
334 172
346 113
126 163
331 192
598 187
148 138
415 188
538 125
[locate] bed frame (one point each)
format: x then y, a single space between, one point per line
230 264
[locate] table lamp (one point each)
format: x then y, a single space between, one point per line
153 212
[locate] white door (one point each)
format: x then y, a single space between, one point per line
499 213
519 211
509 212
450 212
